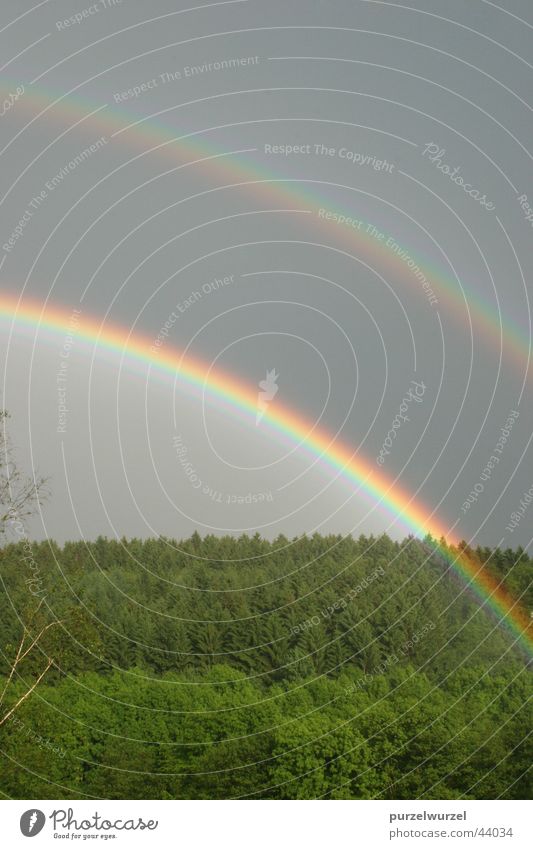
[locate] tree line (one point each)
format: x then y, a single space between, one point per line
324 666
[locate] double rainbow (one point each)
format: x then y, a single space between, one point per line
72 113
463 301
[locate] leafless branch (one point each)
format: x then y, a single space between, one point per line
27 693
23 652
19 495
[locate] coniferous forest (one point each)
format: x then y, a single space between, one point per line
322 667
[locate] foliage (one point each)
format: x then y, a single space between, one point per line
326 667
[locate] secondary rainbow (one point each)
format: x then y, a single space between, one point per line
151 137
193 374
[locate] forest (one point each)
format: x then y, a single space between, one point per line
221 667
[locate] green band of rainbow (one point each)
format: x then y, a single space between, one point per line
152 137
193 374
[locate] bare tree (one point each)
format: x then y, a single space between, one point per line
19 497
19 493
26 645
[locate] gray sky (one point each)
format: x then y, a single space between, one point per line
363 109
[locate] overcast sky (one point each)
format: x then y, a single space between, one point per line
253 120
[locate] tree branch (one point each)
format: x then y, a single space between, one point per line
28 693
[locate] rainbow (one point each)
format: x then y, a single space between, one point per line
191 374
465 306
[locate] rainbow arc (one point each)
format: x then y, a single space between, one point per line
193 375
